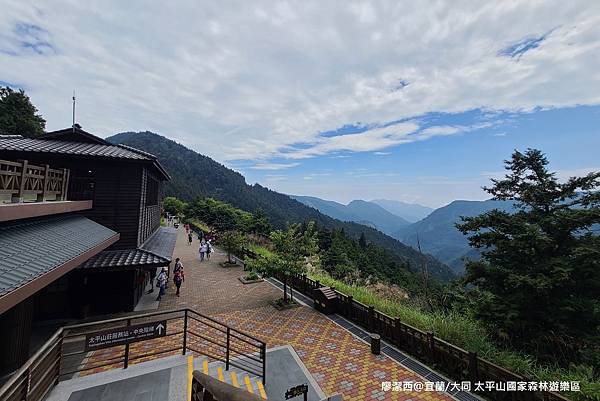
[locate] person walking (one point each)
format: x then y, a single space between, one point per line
190 238
202 250
208 249
178 275
161 283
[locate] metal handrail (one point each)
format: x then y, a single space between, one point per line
49 371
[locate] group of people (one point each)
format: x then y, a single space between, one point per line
162 280
205 248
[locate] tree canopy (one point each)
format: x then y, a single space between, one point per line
539 277
18 116
174 206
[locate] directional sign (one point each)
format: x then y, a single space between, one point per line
301 389
124 335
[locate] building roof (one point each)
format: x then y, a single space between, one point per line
15 143
162 242
125 258
155 252
77 142
35 253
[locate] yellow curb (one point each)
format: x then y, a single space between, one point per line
261 389
248 384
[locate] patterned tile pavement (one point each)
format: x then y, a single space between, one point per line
339 362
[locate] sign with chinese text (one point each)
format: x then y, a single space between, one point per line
124 335
296 391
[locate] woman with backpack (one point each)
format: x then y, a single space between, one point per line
178 275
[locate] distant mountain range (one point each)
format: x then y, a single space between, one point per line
196 175
436 230
439 236
359 211
411 212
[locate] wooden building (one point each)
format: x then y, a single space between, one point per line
79 231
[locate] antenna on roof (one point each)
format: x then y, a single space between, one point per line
73 111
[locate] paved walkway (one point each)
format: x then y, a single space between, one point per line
340 362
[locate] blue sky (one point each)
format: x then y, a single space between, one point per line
365 100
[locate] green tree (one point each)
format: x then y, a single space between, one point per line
232 242
260 223
18 116
290 247
174 206
539 277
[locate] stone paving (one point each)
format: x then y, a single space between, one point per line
339 362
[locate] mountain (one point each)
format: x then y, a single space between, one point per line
411 212
359 211
196 175
439 236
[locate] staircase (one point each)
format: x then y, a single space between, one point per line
235 377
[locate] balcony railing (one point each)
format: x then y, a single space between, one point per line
22 180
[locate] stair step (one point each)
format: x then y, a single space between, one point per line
234 377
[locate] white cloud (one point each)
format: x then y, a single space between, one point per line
249 80
382 153
273 166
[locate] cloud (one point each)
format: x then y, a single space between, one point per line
273 166
247 80
382 153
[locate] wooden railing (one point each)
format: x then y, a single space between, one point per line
21 179
454 361
65 354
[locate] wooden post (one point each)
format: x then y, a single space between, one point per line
371 318
431 343
350 306
42 197
473 369
67 184
63 187
22 183
398 332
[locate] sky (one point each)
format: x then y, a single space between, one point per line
412 101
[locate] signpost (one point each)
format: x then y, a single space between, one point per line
301 389
125 335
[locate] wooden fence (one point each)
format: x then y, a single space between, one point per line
20 179
457 363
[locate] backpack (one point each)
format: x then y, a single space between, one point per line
178 275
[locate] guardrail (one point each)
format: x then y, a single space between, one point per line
20 178
458 363
64 355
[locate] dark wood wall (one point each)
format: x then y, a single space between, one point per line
117 187
150 206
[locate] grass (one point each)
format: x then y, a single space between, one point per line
261 250
163 222
469 334
199 225
251 276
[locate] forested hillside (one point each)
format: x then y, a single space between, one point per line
196 175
